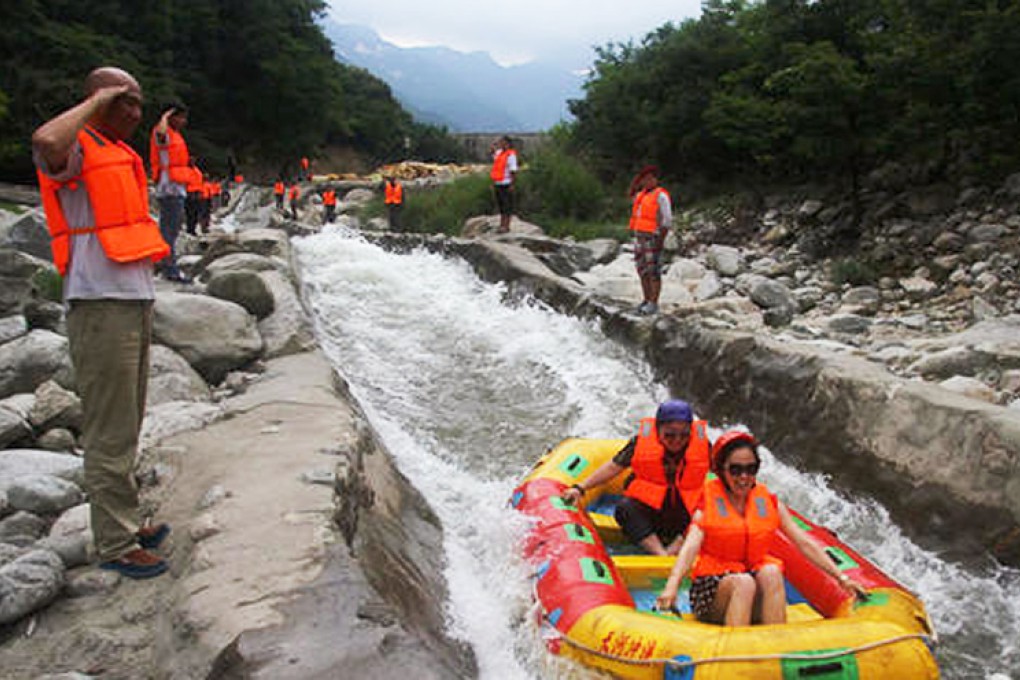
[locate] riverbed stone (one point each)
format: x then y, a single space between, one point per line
14 425
33 359
270 243
43 494
16 272
55 407
238 262
29 583
12 327
958 360
970 387
171 378
22 528
214 336
708 287
848 324
603 250
245 288
287 330
15 463
725 259
90 583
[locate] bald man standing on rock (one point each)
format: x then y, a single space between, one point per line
105 243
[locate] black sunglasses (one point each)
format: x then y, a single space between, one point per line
737 470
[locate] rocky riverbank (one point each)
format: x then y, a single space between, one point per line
297 548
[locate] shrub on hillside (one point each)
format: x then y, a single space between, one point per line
443 210
556 186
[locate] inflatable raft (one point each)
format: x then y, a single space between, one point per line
596 596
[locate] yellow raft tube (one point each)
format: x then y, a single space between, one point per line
596 595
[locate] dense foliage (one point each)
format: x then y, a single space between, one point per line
782 90
258 75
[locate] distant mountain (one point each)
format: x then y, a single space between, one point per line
467 92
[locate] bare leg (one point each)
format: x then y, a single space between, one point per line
770 603
652 545
654 288
734 600
646 288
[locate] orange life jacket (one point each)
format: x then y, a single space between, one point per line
394 194
238 179
498 173
644 216
304 163
114 178
649 484
195 180
295 193
177 150
216 189
733 543
279 189
207 190
329 197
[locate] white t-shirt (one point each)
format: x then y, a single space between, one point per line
91 275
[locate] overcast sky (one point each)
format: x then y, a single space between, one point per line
515 31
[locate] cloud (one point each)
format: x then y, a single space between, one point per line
516 31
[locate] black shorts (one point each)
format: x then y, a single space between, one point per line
504 198
639 521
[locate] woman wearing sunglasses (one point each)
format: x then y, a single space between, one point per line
734 579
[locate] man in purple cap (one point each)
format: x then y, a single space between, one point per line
668 461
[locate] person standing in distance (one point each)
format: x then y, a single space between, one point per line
104 243
503 174
393 195
650 219
169 158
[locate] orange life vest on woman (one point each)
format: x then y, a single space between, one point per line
644 216
329 197
114 178
177 150
649 484
279 189
394 194
733 543
498 173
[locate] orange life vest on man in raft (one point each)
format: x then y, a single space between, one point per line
177 150
114 178
736 544
498 173
649 484
644 216
394 194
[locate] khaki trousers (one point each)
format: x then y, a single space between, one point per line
109 342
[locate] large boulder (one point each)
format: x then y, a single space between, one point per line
16 272
28 583
488 224
246 262
215 336
43 495
949 362
603 250
244 288
171 378
15 463
286 330
725 259
55 407
29 234
265 242
778 301
22 529
13 422
12 328
33 359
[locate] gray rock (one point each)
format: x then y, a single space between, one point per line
849 324
29 583
771 294
55 407
265 242
708 287
987 233
29 234
725 260
242 262
15 463
171 378
16 272
809 209
57 439
12 328
356 198
13 424
9 553
92 583
487 224
73 551
287 330
212 497
918 288
44 314
970 387
22 529
863 299
981 310
962 361
33 359
689 270
245 288
603 250
43 494
214 336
